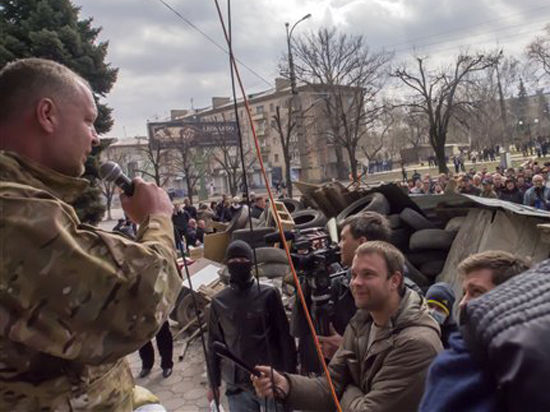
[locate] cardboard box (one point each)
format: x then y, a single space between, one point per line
215 245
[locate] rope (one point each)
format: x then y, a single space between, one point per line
277 217
246 191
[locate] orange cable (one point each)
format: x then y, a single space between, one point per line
278 220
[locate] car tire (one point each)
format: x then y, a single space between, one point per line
434 239
375 202
419 258
271 255
307 218
395 221
292 205
272 270
400 238
433 268
415 220
416 276
255 238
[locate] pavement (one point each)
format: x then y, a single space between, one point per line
183 391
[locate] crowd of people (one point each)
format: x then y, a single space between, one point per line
192 223
528 184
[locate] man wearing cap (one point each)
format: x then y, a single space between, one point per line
487 189
440 298
250 320
467 188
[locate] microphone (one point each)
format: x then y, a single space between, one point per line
276 237
224 352
111 172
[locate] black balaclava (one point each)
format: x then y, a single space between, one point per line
240 273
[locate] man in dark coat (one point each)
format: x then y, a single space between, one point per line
250 320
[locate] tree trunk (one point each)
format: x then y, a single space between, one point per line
340 164
439 149
288 175
353 163
109 201
189 187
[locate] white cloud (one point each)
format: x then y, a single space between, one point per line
164 63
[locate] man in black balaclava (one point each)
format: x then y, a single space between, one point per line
250 320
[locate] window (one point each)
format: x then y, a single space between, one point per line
271 108
276 158
259 109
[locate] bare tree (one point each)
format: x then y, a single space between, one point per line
157 165
435 94
376 139
538 52
190 160
226 153
351 76
284 122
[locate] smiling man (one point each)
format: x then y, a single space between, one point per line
387 347
74 299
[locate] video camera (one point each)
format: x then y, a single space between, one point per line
317 262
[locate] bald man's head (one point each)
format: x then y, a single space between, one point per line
47 114
24 82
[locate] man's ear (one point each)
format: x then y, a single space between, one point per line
396 279
362 240
46 114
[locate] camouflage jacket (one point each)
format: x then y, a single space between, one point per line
74 299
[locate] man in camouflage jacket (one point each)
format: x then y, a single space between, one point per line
74 299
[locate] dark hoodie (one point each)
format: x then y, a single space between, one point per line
513 195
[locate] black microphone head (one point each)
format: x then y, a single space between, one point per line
109 171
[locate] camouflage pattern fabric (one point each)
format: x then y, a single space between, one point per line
74 299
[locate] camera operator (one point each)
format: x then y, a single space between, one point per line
387 347
355 230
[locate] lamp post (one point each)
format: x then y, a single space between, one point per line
302 144
289 46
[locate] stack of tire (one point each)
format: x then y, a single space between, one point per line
427 247
424 244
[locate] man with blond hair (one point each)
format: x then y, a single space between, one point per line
387 347
74 299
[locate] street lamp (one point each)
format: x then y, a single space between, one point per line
290 60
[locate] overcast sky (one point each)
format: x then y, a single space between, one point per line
166 64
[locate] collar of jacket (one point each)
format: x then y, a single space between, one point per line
412 311
19 169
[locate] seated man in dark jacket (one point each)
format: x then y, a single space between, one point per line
250 320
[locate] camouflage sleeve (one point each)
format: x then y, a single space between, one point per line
77 292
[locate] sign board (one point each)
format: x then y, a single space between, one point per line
193 133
